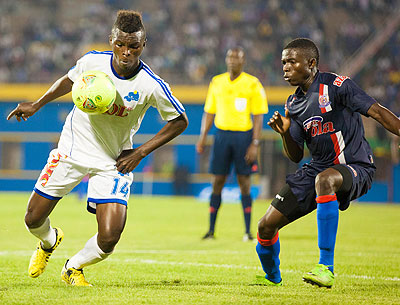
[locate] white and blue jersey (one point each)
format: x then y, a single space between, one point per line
97 140
90 144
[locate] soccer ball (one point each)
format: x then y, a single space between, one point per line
93 92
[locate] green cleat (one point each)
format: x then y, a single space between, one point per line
320 275
262 281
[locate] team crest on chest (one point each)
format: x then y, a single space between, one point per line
323 101
240 103
323 98
132 96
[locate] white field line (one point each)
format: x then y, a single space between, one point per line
227 266
222 266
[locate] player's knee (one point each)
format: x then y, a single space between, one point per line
108 239
266 230
31 221
218 184
325 184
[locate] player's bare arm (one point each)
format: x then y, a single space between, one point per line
385 117
281 125
128 160
206 124
252 151
26 109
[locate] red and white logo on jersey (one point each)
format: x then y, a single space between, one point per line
339 80
323 99
315 126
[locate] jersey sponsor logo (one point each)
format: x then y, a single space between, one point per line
118 110
315 126
339 80
132 96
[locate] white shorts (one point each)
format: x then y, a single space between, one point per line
61 175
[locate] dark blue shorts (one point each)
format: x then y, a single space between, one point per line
297 198
230 148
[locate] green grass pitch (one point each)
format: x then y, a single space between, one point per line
161 258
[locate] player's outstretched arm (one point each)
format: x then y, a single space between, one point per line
281 125
26 109
385 117
206 124
128 160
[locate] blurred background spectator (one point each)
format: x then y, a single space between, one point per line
187 39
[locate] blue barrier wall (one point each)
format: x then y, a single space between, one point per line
50 119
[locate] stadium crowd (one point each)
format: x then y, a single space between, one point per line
188 39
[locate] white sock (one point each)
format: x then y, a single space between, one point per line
45 233
89 255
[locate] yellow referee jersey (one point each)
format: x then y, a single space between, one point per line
233 102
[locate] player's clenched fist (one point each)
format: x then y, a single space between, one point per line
280 123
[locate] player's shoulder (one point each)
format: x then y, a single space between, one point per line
151 77
94 55
333 79
97 53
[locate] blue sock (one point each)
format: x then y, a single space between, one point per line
327 219
246 205
215 203
268 253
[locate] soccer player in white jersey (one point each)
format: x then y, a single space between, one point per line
100 146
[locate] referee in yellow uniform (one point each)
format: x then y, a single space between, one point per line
236 103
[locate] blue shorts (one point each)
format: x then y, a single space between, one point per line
297 198
229 148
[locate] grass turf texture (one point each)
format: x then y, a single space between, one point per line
161 258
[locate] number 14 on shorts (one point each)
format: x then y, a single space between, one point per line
118 187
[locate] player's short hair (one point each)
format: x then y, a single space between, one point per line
305 44
129 21
237 49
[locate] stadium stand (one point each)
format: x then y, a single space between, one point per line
188 39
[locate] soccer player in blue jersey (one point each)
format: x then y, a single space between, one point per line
325 113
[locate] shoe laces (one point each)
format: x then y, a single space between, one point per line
42 254
76 276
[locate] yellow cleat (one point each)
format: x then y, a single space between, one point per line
41 256
74 277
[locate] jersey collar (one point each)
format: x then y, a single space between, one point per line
300 92
136 71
